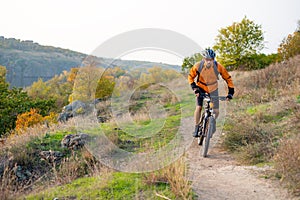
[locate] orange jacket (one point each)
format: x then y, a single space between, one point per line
208 80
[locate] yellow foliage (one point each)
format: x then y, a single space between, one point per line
73 74
51 118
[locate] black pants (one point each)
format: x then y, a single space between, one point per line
213 94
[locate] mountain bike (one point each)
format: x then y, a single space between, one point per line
207 125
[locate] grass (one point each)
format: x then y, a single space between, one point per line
117 185
287 162
77 189
143 138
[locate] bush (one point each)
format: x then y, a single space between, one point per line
258 61
28 119
287 162
251 138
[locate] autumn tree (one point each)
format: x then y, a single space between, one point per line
105 87
72 75
39 89
115 72
85 83
236 43
290 46
58 88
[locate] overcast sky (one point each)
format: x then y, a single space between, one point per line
84 25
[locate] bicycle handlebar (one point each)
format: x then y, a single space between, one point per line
206 95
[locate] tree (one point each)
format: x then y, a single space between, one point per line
39 89
57 88
235 44
105 87
72 76
188 62
85 83
290 46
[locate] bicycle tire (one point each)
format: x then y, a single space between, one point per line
208 133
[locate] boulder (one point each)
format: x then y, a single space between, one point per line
74 141
71 110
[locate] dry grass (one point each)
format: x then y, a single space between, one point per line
264 120
175 176
20 151
280 79
287 162
76 166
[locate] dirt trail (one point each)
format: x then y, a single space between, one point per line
219 177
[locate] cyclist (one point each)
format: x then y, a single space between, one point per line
207 72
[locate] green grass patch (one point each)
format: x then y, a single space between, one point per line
142 138
82 188
117 186
251 110
50 141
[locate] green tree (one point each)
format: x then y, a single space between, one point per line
235 44
105 87
290 46
188 62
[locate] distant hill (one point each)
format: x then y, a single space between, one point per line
27 61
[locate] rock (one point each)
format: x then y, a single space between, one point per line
74 141
102 119
22 174
63 117
51 156
71 110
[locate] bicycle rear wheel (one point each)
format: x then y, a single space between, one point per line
207 135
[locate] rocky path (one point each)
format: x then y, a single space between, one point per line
220 177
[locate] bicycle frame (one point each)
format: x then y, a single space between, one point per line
206 122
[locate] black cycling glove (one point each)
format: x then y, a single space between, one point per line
230 93
194 86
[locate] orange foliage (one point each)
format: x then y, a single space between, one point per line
28 119
73 74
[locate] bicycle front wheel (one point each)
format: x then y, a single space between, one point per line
207 135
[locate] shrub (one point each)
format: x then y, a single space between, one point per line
251 138
287 162
257 61
28 119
